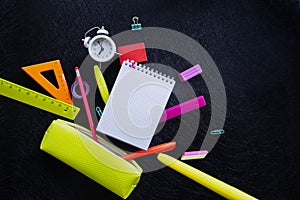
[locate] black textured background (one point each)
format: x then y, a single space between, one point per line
255 44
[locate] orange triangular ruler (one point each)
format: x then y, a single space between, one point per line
62 92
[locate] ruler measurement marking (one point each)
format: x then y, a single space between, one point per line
30 97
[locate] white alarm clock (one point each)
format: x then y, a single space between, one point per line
101 47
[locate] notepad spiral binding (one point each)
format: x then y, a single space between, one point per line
149 71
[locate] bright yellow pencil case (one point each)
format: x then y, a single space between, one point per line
100 161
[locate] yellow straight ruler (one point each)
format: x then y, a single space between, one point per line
30 97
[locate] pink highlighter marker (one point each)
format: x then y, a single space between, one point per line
86 104
191 155
195 153
182 108
190 73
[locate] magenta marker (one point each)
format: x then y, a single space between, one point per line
182 108
190 73
195 153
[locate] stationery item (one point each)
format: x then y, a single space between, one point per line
99 111
136 52
217 132
62 92
152 150
73 145
41 101
86 103
136 26
182 108
101 47
133 63
190 73
101 83
194 155
135 105
204 179
73 89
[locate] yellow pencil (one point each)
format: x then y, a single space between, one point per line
101 84
204 179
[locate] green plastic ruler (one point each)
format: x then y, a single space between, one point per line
30 97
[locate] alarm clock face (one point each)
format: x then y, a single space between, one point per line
102 48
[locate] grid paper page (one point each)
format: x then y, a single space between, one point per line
135 105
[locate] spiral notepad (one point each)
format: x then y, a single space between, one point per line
136 104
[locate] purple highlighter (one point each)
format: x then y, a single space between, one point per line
190 155
195 153
182 108
190 73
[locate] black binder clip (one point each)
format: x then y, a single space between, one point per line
136 26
